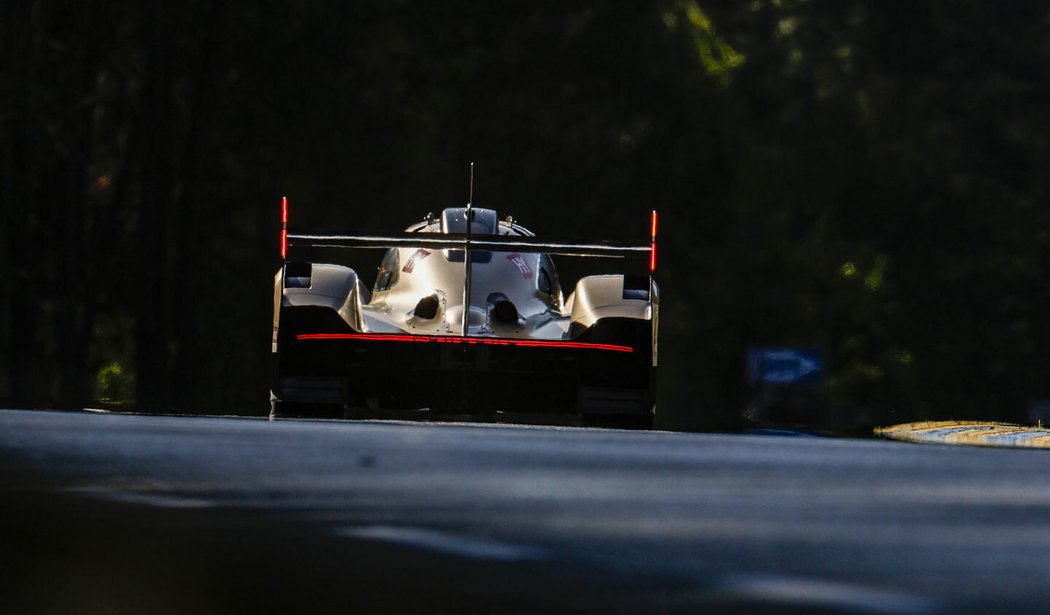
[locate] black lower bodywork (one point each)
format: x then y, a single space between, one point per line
458 377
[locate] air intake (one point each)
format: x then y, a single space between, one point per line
427 308
505 312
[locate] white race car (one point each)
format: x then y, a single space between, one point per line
466 319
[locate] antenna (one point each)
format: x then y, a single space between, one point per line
470 201
467 273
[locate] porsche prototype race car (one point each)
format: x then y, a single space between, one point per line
466 318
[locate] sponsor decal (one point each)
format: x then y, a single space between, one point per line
418 256
519 262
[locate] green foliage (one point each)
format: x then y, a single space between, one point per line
115 385
716 56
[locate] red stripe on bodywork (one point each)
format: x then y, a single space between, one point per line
487 341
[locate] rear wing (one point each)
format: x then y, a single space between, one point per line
298 241
444 241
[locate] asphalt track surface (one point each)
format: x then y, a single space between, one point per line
106 513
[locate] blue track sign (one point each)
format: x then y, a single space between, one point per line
785 366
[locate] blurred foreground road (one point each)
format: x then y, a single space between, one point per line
107 513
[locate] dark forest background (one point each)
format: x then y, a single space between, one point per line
869 178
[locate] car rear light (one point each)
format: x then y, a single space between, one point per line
450 339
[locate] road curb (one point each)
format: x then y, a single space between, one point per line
972 433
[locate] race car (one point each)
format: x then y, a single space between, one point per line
467 320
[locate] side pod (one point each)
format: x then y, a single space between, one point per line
608 296
332 287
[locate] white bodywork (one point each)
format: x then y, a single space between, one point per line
407 275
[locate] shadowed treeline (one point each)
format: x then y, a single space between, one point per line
865 178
